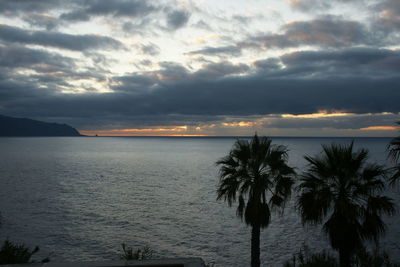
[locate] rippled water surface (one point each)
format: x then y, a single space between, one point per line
80 198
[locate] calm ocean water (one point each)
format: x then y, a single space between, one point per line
80 198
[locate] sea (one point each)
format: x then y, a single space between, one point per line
80 198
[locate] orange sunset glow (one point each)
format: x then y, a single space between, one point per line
381 128
320 114
164 131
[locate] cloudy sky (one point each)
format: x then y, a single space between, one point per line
203 67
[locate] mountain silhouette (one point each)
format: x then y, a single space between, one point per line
10 126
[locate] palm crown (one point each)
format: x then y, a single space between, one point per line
257 176
342 189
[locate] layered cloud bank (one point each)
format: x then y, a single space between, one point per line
303 67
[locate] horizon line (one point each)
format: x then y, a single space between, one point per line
235 136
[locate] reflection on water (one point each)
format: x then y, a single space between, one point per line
80 198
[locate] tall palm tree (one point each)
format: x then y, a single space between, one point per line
394 154
255 174
341 190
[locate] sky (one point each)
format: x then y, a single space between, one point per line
203 67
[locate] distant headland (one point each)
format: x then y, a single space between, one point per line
10 126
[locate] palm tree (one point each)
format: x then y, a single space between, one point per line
256 175
340 190
394 154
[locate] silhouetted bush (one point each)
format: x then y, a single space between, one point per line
143 253
375 258
306 259
363 258
15 253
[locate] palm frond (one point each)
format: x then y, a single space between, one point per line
395 175
394 148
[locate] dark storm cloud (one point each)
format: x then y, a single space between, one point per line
328 32
56 39
177 19
352 80
229 96
215 51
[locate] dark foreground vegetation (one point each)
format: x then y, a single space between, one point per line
340 190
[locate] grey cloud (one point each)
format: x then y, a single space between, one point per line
76 15
243 19
201 24
355 121
359 80
171 71
118 8
222 50
44 21
383 17
229 96
60 40
351 63
177 19
318 5
218 70
388 15
139 26
307 5
115 8
21 57
47 69
269 64
14 6
374 60
135 82
329 32
150 49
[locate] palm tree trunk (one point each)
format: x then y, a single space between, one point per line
344 258
255 246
